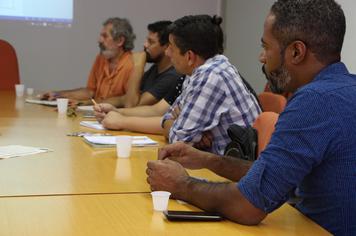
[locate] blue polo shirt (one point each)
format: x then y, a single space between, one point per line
313 148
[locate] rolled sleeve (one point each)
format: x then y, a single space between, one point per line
260 189
292 152
168 115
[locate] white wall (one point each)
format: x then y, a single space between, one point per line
243 30
61 58
244 26
348 54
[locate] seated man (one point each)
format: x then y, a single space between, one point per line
313 147
112 68
145 119
214 95
160 78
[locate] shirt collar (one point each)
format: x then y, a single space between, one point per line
208 62
120 63
335 68
122 60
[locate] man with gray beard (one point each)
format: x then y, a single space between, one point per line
112 68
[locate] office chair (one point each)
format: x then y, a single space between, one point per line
9 69
132 96
272 102
264 124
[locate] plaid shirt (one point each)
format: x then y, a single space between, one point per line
213 98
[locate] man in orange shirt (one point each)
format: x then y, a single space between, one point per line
112 68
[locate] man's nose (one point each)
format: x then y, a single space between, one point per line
145 45
262 57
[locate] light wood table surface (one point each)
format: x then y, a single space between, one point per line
73 167
129 214
78 190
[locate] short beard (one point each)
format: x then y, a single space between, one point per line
278 79
101 47
107 53
149 59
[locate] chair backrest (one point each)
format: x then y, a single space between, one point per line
264 124
139 59
9 68
132 95
272 102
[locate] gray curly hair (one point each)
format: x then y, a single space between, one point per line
121 27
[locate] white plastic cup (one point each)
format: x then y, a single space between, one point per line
160 200
20 89
123 146
29 91
62 105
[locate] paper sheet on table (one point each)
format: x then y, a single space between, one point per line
85 108
92 124
18 151
42 102
110 141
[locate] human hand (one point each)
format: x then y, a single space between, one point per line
167 175
167 125
100 110
205 142
176 112
72 103
104 107
114 120
50 96
186 155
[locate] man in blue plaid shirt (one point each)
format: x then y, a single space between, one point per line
214 95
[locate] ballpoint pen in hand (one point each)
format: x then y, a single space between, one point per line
94 102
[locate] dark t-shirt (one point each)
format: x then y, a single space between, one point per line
159 84
175 91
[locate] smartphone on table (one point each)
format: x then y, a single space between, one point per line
191 216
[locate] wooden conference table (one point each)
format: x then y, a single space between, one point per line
79 190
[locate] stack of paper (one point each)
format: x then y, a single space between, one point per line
17 151
42 102
85 108
92 124
110 141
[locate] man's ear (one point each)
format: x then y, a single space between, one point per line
191 57
298 51
121 41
